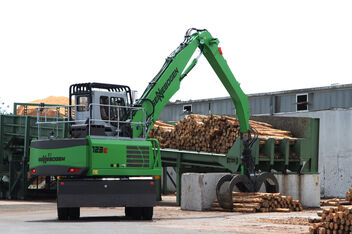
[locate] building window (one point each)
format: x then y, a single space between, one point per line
302 102
187 109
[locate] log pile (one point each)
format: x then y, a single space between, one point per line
338 201
333 220
349 196
262 202
213 133
334 202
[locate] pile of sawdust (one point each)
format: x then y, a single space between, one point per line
56 100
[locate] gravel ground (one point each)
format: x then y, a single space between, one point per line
40 217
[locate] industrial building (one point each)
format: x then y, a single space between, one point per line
331 104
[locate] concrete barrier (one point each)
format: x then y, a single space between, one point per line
310 190
198 190
305 188
289 185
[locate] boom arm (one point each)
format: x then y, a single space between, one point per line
167 82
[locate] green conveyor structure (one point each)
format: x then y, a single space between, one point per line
16 133
283 157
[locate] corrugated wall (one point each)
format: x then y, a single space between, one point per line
269 104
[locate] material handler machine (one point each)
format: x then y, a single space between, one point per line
108 161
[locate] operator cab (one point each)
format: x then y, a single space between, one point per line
100 109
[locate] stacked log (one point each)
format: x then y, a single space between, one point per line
349 196
333 220
334 202
338 201
162 132
262 202
214 133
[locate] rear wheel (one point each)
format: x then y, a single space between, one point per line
62 213
134 212
137 213
147 213
128 211
74 213
68 213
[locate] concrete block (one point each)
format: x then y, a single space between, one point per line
198 190
290 186
305 188
280 179
171 188
310 190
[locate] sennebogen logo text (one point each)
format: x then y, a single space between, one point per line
49 158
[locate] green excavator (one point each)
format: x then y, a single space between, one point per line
108 161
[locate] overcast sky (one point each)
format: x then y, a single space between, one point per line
269 45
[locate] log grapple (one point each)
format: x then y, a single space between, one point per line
248 180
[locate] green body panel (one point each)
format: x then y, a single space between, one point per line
167 82
76 156
104 157
123 158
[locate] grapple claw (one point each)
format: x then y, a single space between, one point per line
242 183
269 180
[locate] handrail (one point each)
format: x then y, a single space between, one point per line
112 121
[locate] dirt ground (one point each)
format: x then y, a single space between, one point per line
40 217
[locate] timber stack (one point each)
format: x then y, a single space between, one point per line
333 220
349 196
261 202
214 133
338 201
334 202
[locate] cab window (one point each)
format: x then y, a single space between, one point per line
104 107
119 110
82 102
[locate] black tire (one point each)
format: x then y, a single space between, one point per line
128 211
147 213
137 213
134 212
74 213
63 213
